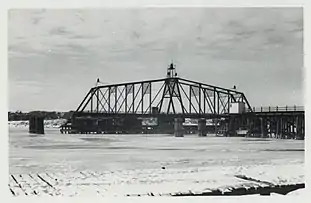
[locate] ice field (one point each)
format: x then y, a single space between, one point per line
125 165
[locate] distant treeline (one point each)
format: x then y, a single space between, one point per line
22 116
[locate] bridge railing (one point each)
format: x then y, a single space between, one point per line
141 112
278 109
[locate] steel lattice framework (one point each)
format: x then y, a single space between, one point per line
171 95
124 107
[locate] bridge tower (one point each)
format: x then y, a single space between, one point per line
171 71
171 91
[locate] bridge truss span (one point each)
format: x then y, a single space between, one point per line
171 95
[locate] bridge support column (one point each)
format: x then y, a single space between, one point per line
296 127
202 127
215 126
274 128
300 128
282 132
231 131
249 126
269 127
178 128
36 124
278 128
263 123
303 127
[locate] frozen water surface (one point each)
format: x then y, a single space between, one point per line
152 162
62 152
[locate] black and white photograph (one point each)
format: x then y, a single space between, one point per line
156 102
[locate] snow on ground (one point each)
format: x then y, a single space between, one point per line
142 182
54 123
119 165
300 192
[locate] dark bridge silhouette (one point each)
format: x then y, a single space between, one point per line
122 107
170 95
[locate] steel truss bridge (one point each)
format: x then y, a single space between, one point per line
121 107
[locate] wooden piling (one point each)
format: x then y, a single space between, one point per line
263 127
202 127
178 128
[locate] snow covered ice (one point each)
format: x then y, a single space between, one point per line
121 165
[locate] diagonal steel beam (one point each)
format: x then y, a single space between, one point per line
93 92
207 99
155 97
188 97
89 92
106 100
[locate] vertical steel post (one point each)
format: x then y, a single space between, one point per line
218 102
125 98
214 101
133 98
109 95
150 98
172 95
200 110
190 88
228 101
204 100
91 103
142 97
97 95
115 99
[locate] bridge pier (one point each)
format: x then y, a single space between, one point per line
36 124
281 127
178 127
232 126
249 125
165 125
283 135
216 122
299 127
263 123
269 128
278 132
273 127
302 130
202 127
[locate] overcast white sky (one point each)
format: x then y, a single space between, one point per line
55 56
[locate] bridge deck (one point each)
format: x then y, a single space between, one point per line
261 111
